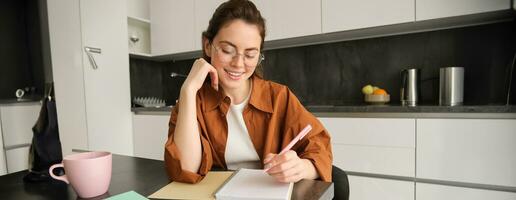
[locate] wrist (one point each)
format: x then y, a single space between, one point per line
311 172
187 92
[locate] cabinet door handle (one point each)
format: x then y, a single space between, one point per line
89 51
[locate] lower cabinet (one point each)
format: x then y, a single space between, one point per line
16 122
375 159
3 167
378 151
17 159
373 145
150 135
481 151
426 191
365 188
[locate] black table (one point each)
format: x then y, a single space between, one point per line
144 176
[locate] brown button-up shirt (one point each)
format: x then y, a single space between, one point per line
273 117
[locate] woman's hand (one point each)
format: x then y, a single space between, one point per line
198 73
288 167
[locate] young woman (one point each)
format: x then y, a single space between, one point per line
235 119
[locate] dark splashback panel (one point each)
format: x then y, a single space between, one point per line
146 78
333 74
21 48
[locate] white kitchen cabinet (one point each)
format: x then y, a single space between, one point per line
173 27
17 159
17 123
342 15
467 150
3 167
365 188
203 12
426 191
107 88
375 160
138 25
16 129
373 145
64 27
303 18
150 135
138 9
432 9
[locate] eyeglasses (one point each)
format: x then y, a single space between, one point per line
227 53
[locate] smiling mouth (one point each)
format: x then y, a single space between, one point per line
234 75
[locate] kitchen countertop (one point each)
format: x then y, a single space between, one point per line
391 111
415 109
15 101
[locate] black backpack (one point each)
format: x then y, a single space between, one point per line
45 149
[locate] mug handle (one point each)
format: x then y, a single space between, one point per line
61 178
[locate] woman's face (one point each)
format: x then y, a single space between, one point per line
235 52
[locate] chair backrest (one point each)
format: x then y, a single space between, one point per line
340 183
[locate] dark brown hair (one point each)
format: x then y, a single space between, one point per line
229 11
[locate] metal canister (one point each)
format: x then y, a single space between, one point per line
409 92
451 86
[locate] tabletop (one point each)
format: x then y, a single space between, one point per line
144 176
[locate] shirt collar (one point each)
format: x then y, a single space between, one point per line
260 96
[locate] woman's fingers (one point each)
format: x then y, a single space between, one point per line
268 158
291 172
198 74
292 175
282 167
273 159
214 78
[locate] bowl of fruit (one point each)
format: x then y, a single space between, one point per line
375 95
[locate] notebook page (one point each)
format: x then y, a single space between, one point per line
254 184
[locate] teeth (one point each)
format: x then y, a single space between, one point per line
235 73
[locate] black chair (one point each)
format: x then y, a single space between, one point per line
340 184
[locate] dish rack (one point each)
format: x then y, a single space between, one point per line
149 102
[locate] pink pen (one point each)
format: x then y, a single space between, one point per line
299 136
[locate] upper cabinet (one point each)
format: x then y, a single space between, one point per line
303 18
138 26
177 25
173 27
138 9
432 9
342 15
203 12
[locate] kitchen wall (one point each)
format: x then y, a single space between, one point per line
333 74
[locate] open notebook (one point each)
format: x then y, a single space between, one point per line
253 184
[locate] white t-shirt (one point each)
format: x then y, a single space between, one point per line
240 152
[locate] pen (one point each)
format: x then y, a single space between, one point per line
299 136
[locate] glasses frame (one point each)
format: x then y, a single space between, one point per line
261 57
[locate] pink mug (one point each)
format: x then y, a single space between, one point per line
89 173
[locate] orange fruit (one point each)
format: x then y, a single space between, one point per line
380 92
